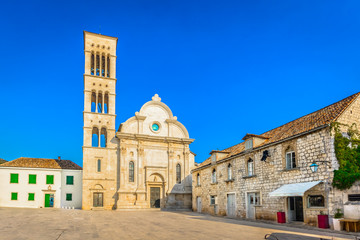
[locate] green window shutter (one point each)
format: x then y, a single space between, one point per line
69 180
69 197
14 178
49 179
14 195
31 197
32 178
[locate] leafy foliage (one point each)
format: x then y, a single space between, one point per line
347 150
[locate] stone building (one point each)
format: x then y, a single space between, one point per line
147 161
40 183
271 172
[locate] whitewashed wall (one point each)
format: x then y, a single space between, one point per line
75 190
23 188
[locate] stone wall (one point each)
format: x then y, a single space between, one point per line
269 175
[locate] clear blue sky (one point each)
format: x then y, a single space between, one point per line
225 68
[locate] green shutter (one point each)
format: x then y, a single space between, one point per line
32 178
47 200
14 178
31 197
69 180
14 195
69 197
49 179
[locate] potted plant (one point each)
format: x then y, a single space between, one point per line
323 220
337 216
281 216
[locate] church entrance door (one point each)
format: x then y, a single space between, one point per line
154 197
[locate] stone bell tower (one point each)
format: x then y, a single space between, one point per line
99 147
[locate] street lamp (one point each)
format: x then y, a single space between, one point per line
314 167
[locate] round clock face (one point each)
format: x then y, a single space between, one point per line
155 127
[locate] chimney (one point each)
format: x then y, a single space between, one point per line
59 158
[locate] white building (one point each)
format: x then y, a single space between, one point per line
38 183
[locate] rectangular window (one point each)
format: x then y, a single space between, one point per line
49 179
14 196
69 180
69 197
316 201
14 178
290 160
248 144
212 200
31 197
32 178
354 197
98 165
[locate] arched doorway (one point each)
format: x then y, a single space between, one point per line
155 187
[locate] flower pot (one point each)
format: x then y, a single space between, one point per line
281 217
323 221
336 224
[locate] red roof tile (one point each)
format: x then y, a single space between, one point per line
42 163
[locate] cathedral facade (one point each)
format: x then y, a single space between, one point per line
146 162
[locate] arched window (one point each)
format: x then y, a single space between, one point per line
250 167
108 67
93 102
95 137
106 103
92 64
178 173
290 158
103 138
213 176
100 101
97 65
229 172
102 65
198 179
131 171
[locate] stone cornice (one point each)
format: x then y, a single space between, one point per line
94 76
144 137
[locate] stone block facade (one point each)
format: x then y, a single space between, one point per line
251 185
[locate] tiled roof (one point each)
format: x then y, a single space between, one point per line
42 163
303 124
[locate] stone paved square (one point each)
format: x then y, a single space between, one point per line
60 224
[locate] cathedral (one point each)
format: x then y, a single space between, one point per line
146 162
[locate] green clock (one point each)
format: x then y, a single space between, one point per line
155 127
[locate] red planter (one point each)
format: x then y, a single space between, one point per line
323 221
281 217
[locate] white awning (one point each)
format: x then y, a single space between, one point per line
292 190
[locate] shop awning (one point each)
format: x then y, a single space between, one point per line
292 190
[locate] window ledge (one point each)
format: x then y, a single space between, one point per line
214 183
290 169
257 205
230 180
198 185
252 176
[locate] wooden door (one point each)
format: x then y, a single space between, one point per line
251 205
198 204
98 200
231 205
154 197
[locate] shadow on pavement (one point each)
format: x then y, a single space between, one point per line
287 236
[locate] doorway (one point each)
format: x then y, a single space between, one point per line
49 200
295 209
154 197
231 205
98 200
198 204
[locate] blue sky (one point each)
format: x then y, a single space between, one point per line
225 68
